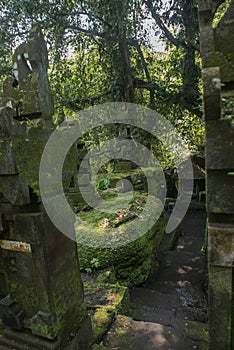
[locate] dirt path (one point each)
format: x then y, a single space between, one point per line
169 311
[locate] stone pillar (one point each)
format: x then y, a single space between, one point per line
217 50
41 291
28 90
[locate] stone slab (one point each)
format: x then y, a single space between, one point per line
212 90
8 164
220 197
220 144
220 299
10 340
221 244
6 121
15 189
29 227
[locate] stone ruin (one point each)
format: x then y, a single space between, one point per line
27 92
217 49
41 291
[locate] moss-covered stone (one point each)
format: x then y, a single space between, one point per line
197 331
218 59
98 294
101 321
104 302
132 262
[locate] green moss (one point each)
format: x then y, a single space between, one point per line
197 331
101 321
217 59
29 149
122 335
97 294
132 262
131 276
122 202
43 324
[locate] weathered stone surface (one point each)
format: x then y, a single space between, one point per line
220 197
46 309
30 63
224 30
81 339
39 266
205 18
28 227
11 94
15 189
218 59
221 244
29 150
133 262
8 163
6 210
19 129
227 104
28 92
6 122
3 223
220 144
220 297
212 89
218 103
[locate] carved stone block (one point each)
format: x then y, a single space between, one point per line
219 144
212 90
220 186
220 298
8 164
221 244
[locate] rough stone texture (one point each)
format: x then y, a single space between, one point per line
218 80
6 122
28 92
212 88
221 244
224 30
220 298
126 333
39 267
14 189
8 159
220 184
218 146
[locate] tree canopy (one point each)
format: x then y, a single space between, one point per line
103 51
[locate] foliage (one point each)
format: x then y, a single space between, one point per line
93 264
101 51
103 183
220 12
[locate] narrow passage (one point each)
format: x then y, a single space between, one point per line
169 312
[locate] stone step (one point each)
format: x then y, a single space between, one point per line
11 339
179 267
181 257
152 306
164 317
153 298
125 333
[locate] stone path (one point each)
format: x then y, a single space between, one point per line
169 312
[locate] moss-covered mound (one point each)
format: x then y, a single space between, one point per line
132 255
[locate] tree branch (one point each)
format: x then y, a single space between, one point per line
136 45
162 26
